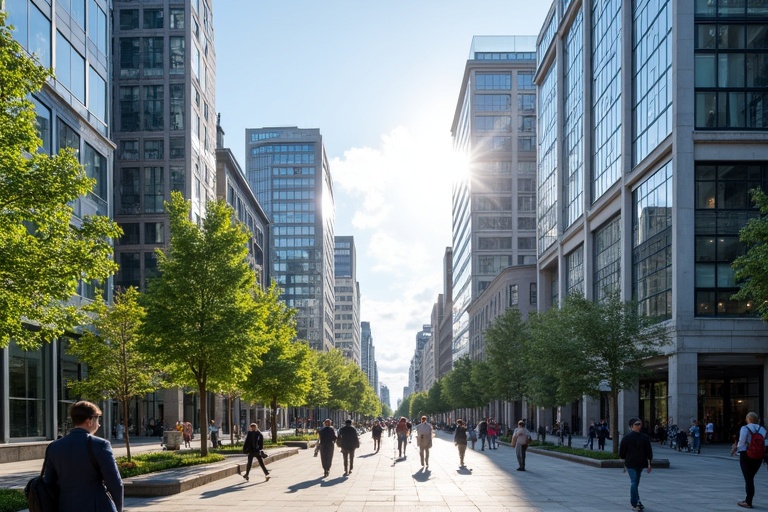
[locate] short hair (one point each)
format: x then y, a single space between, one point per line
459 421
423 417
520 422
752 417
347 422
82 410
254 425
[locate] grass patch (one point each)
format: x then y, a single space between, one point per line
12 500
581 452
159 461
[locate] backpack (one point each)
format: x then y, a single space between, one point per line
41 497
756 445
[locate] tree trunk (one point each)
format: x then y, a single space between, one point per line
125 430
615 418
231 419
203 420
273 407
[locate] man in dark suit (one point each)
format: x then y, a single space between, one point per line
349 442
81 472
327 442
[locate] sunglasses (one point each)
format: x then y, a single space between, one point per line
638 424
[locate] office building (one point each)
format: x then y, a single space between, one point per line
347 296
384 396
367 353
494 205
287 169
652 121
72 111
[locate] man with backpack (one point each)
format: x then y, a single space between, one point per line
751 450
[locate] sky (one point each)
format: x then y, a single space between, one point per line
381 81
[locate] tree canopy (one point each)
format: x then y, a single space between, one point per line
45 250
751 269
205 317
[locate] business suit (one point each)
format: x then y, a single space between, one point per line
254 444
81 485
327 441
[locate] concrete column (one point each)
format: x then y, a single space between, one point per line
629 404
173 407
683 387
590 411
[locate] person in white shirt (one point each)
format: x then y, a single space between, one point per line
749 466
424 440
520 438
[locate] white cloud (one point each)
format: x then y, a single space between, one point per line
396 201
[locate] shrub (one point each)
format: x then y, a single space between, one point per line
12 500
159 461
581 452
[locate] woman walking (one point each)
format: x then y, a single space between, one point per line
254 445
460 440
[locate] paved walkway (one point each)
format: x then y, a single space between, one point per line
711 482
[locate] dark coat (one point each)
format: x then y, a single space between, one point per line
80 483
635 449
254 442
348 438
460 437
327 436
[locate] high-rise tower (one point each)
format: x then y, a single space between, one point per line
347 293
494 207
288 171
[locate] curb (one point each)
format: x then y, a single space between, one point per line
179 480
596 463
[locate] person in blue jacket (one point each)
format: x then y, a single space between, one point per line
86 476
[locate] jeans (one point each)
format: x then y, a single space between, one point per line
402 442
634 478
696 444
483 437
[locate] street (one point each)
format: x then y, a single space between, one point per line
711 481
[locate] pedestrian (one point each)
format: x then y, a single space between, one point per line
602 434
635 449
82 466
482 432
460 440
591 434
709 430
520 438
401 430
376 432
327 442
213 430
695 436
542 434
187 435
751 449
493 435
254 447
472 435
348 442
424 434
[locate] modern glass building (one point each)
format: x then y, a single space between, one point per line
494 205
347 294
652 126
73 111
288 171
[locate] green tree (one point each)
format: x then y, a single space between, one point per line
506 346
599 344
436 401
44 250
751 270
459 388
319 393
419 405
404 409
116 368
386 410
335 367
205 314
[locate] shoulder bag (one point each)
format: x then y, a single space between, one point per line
41 497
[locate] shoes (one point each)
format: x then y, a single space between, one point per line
350 471
246 477
266 478
744 504
521 469
640 506
325 473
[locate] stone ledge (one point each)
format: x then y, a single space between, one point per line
174 481
15 452
595 463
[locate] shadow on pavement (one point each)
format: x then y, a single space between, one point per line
334 481
366 456
304 485
422 475
239 486
464 471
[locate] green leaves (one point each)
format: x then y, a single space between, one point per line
751 270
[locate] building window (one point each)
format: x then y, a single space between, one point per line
177 147
526 143
176 49
525 80
27 391
177 107
547 154
154 190
97 95
130 55
723 207
153 18
607 260
573 133
68 137
652 244
526 103
32 29
129 108
513 296
153 56
129 19
176 18
493 81
130 234
97 26
96 168
493 123
76 10
574 272
70 68
731 66
43 125
153 107
129 150
493 102
178 180
154 233
153 149
130 191
129 273
532 293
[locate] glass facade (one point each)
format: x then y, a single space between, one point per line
652 244
27 384
547 172
574 272
723 207
731 65
652 60
573 110
606 95
607 260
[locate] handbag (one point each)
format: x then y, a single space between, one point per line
41 497
263 454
